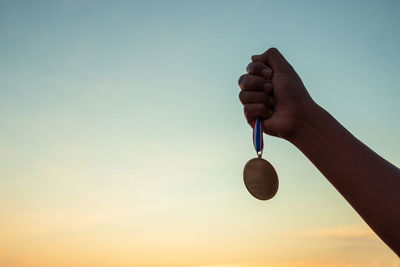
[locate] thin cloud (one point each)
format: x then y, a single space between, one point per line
353 231
283 264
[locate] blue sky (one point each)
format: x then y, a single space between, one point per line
110 106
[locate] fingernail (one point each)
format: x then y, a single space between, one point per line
266 73
268 87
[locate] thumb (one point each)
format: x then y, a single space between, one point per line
274 59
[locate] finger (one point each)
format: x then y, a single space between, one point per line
274 59
260 69
254 83
254 97
254 110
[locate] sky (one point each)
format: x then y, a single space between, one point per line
123 141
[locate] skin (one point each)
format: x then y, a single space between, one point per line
273 90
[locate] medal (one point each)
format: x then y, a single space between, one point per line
259 176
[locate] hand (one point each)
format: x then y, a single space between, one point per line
273 91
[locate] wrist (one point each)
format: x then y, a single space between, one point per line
307 124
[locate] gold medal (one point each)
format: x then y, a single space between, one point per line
259 175
260 178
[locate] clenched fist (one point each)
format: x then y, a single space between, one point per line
273 91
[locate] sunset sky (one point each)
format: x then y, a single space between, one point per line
123 141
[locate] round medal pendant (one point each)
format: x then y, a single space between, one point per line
260 178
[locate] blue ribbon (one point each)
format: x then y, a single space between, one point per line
258 141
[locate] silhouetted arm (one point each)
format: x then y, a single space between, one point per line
367 181
272 90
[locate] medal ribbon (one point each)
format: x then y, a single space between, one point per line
258 141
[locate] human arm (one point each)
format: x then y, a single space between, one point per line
367 181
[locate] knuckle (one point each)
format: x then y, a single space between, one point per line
256 97
246 109
272 50
242 96
247 81
242 80
256 68
249 110
250 68
249 117
260 65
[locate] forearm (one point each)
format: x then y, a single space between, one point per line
367 181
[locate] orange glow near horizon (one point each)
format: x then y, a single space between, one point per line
123 140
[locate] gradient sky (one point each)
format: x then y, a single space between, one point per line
122 139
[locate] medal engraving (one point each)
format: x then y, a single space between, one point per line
260 178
